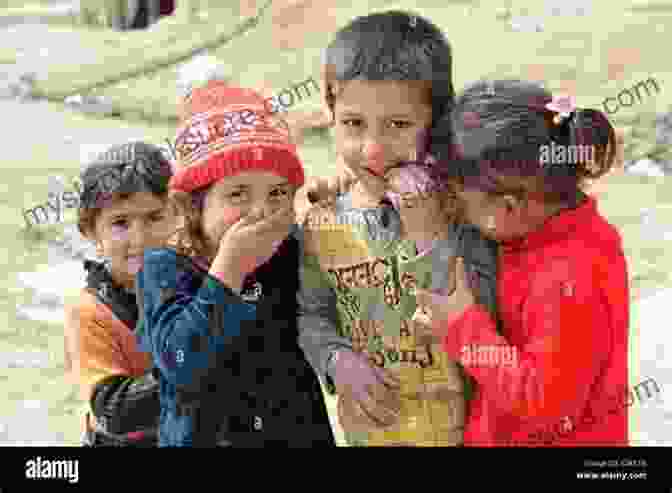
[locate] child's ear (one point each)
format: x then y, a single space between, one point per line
449 201
327 96
511 203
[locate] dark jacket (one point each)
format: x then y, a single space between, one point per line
115 376
230 368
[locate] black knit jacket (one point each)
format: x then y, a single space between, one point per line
122 403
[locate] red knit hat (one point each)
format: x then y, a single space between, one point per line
229 130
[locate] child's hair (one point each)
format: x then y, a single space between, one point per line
392 45
116 174
499 130
191 240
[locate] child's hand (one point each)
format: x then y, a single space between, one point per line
370 188
326 189
371 394
444 307
422 210
249 243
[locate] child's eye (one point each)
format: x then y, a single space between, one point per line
400 124
236 196
278 192
157 216
351 122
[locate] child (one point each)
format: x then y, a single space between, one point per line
220 313
386 80
123 208
562 281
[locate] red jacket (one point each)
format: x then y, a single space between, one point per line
559 373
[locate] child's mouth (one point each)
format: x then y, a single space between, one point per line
376 169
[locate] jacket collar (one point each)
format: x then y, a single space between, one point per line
556 228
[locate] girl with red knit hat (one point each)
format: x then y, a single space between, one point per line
219 309
558 373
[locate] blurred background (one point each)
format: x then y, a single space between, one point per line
76 77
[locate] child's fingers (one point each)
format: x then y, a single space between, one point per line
388 378
461 277
352 414
346 182
427 298
244 222
379 406
272 223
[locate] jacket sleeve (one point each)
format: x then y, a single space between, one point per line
93 350
551 375
178 329
317 316
126 402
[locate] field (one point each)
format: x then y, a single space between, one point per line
612 47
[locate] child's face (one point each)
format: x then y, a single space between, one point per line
125 228
232 198
377 123
508 216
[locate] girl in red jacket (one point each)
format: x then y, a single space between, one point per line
558 375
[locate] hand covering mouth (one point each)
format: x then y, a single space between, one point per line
135 263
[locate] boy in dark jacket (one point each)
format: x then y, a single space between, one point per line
123 208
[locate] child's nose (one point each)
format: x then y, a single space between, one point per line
373 151
375 157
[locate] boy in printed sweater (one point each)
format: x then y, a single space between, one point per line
359 322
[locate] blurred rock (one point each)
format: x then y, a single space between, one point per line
567 7
29 426
92 104
17 85
663 126
198 71
526 24
645 167
25 359
652 229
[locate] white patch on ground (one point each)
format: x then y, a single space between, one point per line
653 418
29 427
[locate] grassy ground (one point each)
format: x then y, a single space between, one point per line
573 52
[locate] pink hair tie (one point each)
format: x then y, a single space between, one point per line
564 105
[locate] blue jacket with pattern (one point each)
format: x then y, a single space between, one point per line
230 368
